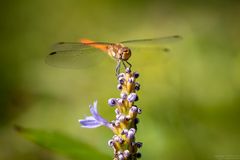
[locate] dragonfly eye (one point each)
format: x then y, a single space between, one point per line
126 53
125 50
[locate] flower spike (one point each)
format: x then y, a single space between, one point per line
124 127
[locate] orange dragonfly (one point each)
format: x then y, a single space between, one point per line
69 51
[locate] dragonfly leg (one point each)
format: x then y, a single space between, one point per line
118 67
129 65
124 64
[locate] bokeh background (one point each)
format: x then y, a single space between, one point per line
190 97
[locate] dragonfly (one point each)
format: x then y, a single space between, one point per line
120 52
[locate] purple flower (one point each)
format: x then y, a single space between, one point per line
95 120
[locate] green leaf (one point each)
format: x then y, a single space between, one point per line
60 143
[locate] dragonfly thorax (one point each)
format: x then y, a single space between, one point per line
119 52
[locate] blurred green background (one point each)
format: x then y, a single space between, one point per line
190 97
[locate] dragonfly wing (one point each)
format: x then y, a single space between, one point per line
64 47
73 55
159 44
152 41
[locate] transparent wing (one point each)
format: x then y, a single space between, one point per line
64 47
154 41
159 44
74 55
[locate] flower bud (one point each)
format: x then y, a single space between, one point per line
136 74
117 123
132 97
110 143
128 70
127 118
139 111
120 156
131 80
120 75
120 101
137 86
124 131
126 153
121 118
138 144
117 111
112 102
119 87
124 95
131 133
121 80
136 120
138 155
134 109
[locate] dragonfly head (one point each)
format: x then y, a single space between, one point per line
125 53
